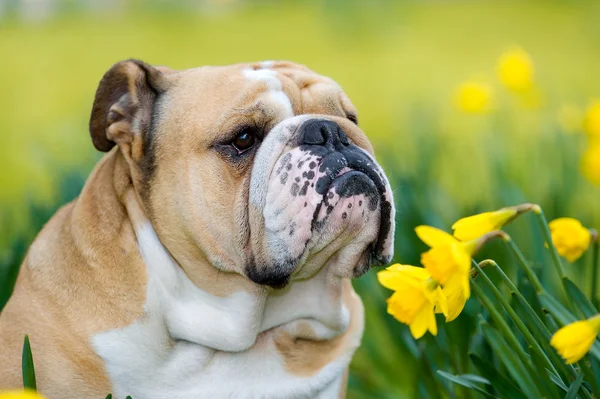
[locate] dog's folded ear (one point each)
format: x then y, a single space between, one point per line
123 103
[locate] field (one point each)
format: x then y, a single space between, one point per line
404 66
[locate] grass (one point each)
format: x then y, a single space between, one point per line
400 64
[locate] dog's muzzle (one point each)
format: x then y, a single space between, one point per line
315 195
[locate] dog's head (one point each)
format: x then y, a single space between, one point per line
259 169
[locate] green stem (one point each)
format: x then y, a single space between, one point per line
595 266
517 320
505 330
499 320
537 285
538 323
548 237
589 375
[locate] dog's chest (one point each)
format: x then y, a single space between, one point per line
190 344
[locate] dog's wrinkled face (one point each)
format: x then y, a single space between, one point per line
314 193
270 150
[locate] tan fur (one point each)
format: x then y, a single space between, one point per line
84 273
344 384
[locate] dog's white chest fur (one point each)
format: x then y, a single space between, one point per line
190 344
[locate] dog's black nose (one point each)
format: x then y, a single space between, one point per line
323 132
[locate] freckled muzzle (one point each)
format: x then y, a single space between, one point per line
315 195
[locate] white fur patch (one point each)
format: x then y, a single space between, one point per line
186 307
170 351
267 64
275 92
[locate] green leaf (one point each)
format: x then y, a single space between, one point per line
525 331
590 378
513 364
476 378
540 367
583 303
542 335
556 309
109 396
574 388
499 381
27 366
558 382
466 380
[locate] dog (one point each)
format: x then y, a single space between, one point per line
211 251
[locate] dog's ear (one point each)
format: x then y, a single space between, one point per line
123 103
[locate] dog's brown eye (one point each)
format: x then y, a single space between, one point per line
244 141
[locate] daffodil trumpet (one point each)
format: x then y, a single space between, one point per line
472 227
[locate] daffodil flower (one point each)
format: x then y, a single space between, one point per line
416 298
475 226
22 394
574 340
570 238
448 260
515 69
474 97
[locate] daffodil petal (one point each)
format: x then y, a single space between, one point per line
442 302
424 321
433 236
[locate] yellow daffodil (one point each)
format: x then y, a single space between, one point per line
416 298
570 118
574 340
591 123
590 163
474 97
569 237
515 70
475 226
27 394
448 260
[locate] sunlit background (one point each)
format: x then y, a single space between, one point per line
470 106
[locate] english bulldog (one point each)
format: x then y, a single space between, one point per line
210 252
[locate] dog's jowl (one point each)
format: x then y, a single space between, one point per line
210 252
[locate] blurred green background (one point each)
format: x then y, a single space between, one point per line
407 66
